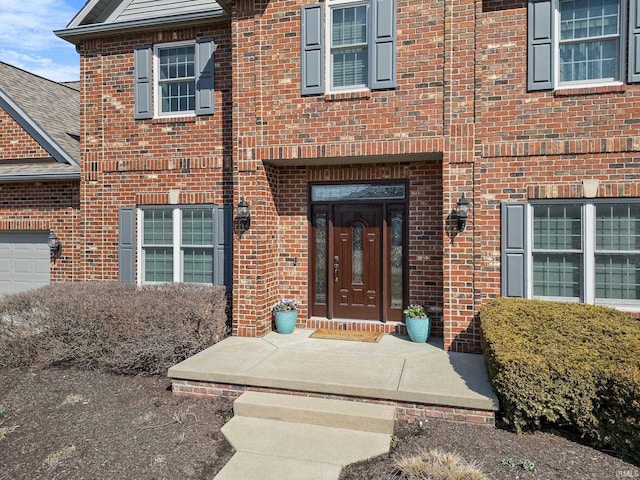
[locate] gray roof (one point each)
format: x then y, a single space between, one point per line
98 17
50 113
37 171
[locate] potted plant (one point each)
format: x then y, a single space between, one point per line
285 312
418 323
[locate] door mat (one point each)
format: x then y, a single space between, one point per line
329 334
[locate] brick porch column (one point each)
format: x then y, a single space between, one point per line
461 332
255 258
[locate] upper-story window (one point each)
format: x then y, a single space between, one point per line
349 56
589 41
348 46
174 79
583 43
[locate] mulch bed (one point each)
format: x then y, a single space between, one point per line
71 424
68 424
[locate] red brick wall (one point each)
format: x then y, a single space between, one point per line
15 142
380 122
128 162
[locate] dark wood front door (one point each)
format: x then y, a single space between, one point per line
357 261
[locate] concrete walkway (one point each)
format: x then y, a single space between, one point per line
394 369
281 437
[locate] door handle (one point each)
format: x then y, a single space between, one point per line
336 267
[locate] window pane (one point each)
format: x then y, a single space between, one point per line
618 227
198 265
557 275
178 96
617 277
197 227
349 26
158 264
357 262
589 61
557 227
349 67
321 258
157 227
357 191
397 228
588 18
176 62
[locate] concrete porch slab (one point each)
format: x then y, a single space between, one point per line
394 369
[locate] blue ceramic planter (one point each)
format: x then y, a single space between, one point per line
418 328
286 321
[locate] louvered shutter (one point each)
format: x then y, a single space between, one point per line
513 246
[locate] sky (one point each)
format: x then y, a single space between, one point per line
27 40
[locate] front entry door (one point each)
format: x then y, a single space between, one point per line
358 251
357 261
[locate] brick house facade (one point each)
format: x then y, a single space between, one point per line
352 173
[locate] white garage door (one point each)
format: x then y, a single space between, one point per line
24 261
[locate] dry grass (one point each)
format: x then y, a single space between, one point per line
438 465
74 398
4 431
55 458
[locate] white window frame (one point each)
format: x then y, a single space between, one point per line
328 71
588 233
178 254
157 83
622 50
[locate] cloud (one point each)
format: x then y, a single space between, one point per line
29 24
43 66
27 40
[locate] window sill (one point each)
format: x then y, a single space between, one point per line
162 120
596 90
340 96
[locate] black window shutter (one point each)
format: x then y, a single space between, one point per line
142 57
127 245
204 76
540 36
312 19
382 52
513 249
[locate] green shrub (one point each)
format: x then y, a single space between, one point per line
566 364
109 326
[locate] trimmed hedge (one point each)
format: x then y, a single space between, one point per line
564 364
112 327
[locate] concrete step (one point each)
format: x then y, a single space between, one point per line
302 441
248 466
365 417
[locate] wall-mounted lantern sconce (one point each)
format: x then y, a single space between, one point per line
244 216
55 247
462 211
